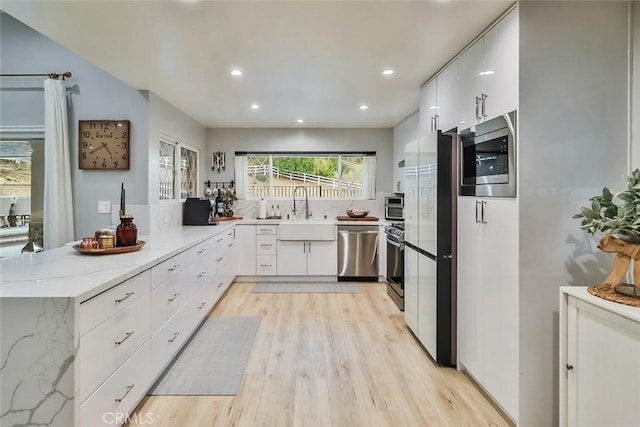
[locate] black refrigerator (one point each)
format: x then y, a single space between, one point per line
430 236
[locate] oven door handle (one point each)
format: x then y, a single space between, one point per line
394 243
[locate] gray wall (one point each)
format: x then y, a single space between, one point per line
93 94
379 140
572 142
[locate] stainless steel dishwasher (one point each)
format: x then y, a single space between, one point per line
358 252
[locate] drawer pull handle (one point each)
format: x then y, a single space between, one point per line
202 305
265 265
220 240
176 295
230 234
265 245
569 367
129 388
220 284
220 259
201 251
202 274
230 244
125 338
127 295
175 335
174 267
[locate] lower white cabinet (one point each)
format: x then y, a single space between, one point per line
487 276
599 353
307 257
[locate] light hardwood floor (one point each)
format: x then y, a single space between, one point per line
330 360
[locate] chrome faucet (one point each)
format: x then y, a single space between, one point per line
307 214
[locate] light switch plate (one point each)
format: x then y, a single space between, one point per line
104 206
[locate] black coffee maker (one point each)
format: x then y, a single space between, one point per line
197 211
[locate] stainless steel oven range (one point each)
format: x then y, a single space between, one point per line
395 262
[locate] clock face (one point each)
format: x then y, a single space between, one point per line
103 144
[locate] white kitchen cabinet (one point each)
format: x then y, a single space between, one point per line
448 99
488 75
405 132
307 258
599 353
429 108
488 296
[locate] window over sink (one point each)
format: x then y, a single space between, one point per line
324 175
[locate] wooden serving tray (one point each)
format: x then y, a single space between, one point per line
348 218
228 218
110 251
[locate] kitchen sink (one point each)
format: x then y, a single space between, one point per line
307 229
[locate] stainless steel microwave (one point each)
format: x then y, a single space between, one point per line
394 208
488 158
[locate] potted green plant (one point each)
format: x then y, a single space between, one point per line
618 216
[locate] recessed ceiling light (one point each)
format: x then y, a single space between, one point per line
434 107
388 72
236 72
300 121
486 73
364 107
255 107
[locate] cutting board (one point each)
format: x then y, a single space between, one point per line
348 218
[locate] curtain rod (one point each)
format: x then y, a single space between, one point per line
56 76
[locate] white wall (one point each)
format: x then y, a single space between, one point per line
167 121
379 140
572 142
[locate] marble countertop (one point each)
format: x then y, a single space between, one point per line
252 221
64 272
582 293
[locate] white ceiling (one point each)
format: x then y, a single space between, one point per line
315 60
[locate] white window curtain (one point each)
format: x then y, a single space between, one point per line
240 172
369 184
58 201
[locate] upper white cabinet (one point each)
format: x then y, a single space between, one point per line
483 82
429 108
405 132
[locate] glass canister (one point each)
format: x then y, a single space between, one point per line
126 232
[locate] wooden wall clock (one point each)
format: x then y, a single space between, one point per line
103 144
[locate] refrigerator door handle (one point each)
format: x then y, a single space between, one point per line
477 203
482 220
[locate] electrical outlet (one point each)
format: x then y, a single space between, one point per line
104 206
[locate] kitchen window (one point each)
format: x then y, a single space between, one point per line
178 176
324 175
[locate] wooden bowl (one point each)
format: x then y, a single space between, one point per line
357 214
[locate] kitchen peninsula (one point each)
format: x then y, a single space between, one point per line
86 335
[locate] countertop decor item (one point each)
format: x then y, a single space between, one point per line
110 251
126 232
103 144
357 213
618 215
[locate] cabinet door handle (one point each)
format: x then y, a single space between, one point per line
125 338
304 248
127 295
219 240
129 388
175 335
220 284
436 122
220 259
397 185
569 367
174 267
202 274
309 247
202 305
477 203
478 99
482 212
201 251
174 297
484 105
